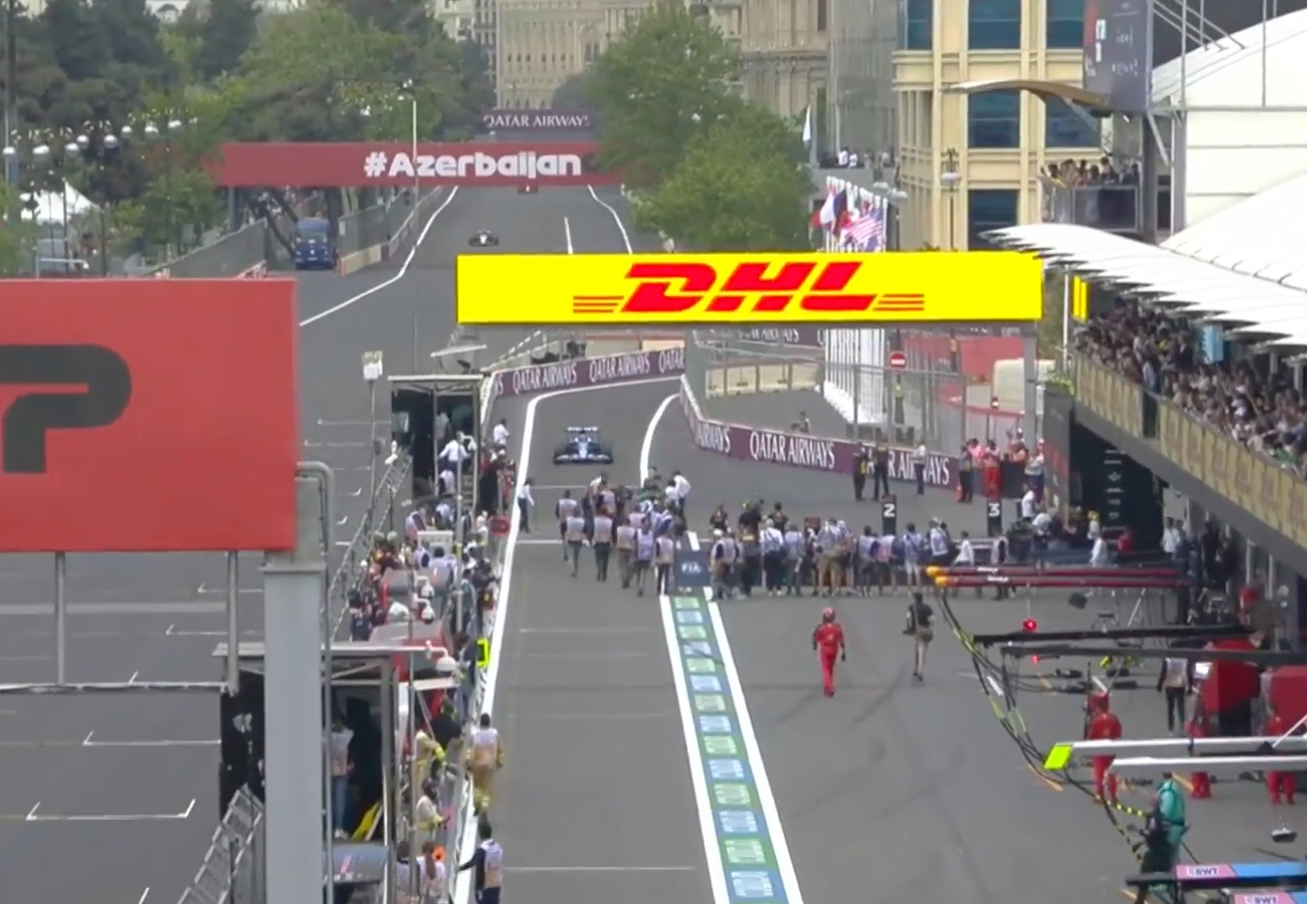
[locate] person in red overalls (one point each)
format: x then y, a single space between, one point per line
1103 726
1278 782
828 641
1197 728
993 473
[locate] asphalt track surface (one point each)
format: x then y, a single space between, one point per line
891 792
919 782
130 812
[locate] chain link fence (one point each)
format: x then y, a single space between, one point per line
917 394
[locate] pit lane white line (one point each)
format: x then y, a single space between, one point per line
403 269
626 239
766 800
33 816
89 742
468 839
567 234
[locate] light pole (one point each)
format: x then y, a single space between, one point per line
949 179
166 129
98 145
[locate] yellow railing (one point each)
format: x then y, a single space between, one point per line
1109 395
1253 481
1250 480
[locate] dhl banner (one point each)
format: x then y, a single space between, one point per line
750 289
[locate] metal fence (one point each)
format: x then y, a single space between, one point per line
928 401
233 868
232 871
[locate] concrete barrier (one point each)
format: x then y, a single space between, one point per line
408 230
756 378
353 263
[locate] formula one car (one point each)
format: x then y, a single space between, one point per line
484 239
583 445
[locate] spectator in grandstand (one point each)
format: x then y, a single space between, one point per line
1264 412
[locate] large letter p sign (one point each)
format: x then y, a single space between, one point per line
104 387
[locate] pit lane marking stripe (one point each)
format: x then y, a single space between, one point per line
748 859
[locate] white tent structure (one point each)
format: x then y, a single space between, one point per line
52 209
1244 115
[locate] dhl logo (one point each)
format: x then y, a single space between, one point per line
762 288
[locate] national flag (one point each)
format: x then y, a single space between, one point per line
868 231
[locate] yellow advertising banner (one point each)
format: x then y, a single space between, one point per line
1248 479
748 289
1109 395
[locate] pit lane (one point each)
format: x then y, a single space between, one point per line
915 791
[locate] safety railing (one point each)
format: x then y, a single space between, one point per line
233 869
385 514
1270 490
1112 208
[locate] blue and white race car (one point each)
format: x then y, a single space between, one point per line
583 445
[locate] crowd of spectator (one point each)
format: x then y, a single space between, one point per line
1082 172
1238 397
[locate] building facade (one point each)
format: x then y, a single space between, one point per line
860 109
784 44
997 141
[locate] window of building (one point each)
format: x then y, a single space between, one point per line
1065 128
994 24
1065 24
823 13
994 120
989 208
915 24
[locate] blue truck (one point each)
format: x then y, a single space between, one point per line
315 244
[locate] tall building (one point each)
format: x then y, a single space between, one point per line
858 110
541 43
976 83
784 45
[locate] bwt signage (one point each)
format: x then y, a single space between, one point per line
537 120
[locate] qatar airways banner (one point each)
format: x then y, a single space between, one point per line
800 450
808 336
580 372
537 120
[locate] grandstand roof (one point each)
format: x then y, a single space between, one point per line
1220 74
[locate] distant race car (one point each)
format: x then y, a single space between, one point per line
583 445
483 239
529 189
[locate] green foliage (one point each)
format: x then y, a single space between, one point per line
740 188
572 94
663 83
708 168
331 70
16 237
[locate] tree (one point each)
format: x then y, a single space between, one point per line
572 94
741 187
225 34
664 82
16 236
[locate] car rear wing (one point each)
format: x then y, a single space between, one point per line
582 429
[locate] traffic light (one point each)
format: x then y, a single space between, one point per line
1029 626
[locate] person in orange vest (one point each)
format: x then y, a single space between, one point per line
1197 728
1103 726
1278 782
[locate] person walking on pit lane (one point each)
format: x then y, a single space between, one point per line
487 864
602 540
828 642
625 550
1103 726
1175 681
920 627
526 504
574 537
861 465
879 472
485 757
919 459
564 510
646 547
665 559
